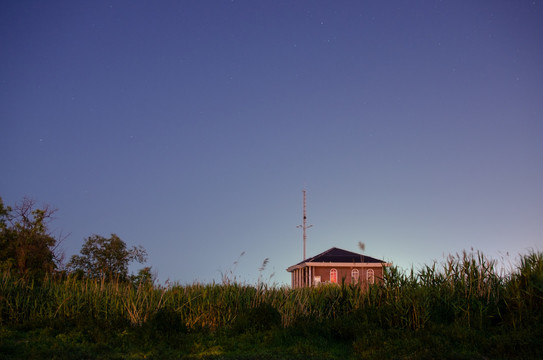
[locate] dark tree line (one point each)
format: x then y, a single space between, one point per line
28 248
26 245
106 257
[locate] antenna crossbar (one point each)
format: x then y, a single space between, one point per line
304 225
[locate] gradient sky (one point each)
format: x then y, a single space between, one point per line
191 127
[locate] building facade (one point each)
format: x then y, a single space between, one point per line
337 266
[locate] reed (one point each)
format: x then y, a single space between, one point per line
465 290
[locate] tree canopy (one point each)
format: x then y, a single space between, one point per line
26 245
106 257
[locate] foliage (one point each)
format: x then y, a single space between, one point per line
107 257
26 244
458 309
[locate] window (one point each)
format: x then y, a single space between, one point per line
354 276
370 276
333 276
317 280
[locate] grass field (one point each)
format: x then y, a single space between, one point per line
461 308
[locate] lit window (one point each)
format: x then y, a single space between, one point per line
354 276
333 276
371 276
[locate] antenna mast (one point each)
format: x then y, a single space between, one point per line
304 225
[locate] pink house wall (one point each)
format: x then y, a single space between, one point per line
345 273
306 276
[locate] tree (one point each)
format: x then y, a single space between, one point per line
26 245
102 257
144 276
7 258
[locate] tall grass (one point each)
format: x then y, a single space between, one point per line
465 290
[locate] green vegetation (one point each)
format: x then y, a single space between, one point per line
26 245
28 249
102 257
93 309
461 308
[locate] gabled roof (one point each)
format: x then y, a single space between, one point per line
336 255
339 255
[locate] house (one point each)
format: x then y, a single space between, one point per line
337 266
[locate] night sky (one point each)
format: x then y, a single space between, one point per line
191 128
